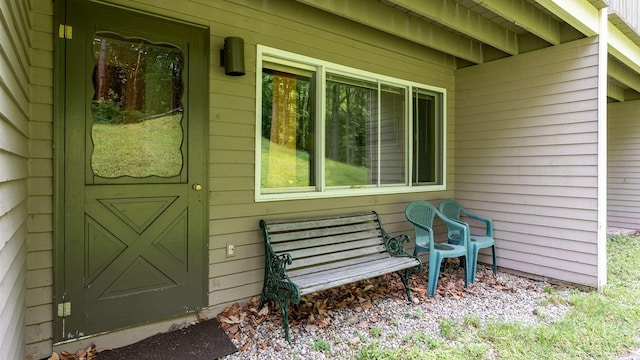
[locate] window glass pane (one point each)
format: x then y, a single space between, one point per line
137 108
427 137
287 144
351 129
392 135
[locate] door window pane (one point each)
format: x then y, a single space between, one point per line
137 108
287 144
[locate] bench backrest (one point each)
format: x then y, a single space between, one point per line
312 242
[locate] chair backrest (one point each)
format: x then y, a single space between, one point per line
422 213
451 209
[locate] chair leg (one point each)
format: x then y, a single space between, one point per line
467 270
473 265
434 272
495 265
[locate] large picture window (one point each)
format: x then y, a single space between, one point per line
328 130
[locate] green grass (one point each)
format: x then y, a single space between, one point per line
140 149
600 325
283 167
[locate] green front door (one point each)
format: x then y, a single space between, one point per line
134 172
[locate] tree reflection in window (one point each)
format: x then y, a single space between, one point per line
137 108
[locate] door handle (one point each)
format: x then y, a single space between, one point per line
197 187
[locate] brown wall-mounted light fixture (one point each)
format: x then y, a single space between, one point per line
232 56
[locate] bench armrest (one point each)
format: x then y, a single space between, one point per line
276 265
394 244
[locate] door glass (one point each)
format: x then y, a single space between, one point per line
137 108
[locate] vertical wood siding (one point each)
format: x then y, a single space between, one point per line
14 153
627 14
526 155
623 159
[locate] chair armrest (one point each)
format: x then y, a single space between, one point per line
460 225
487 221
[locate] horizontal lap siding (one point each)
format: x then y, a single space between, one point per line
294 27
39 264
526 155
300 29
623 159
14 154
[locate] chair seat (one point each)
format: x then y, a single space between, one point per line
421 214
482 241
451 249
451 209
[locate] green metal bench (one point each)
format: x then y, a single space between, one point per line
304 256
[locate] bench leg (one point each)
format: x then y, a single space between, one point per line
283 304
284 310
404 276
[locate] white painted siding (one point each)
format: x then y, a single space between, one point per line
624 156
14 153
526 155
627 12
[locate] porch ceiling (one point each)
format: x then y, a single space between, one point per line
480 31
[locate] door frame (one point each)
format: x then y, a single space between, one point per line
59 153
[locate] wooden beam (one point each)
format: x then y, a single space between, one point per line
615 91
459 18
526 16
580 14
623 49
401 24
623 74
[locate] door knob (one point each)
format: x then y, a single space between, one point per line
197 187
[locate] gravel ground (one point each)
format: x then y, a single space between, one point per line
389 317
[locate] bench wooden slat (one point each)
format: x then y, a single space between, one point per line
306 243
317 283
276 237
339 249
289 225
337 265
320 259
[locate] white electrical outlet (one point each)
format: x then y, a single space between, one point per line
231 250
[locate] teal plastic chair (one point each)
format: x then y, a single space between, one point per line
452 210
421 214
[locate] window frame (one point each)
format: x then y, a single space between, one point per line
264 53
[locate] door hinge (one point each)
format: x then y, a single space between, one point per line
64 309
65 32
